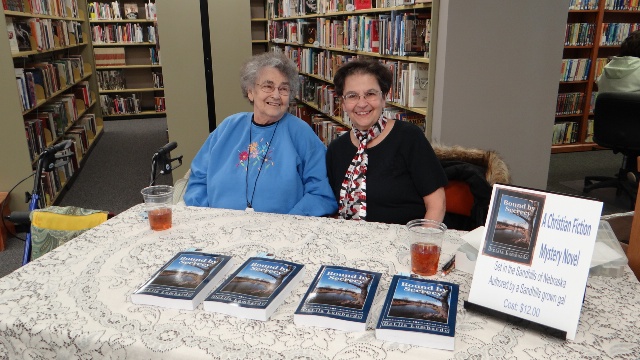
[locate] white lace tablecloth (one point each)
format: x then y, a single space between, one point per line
74 303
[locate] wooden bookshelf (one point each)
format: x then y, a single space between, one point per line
259 27
580 114
318 51
136 115
138 70
50 82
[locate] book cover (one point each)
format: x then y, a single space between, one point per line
255 289
419 312
512 228
311 6
362 4
338 298
418 85
184 281
23 35
11 32
131 11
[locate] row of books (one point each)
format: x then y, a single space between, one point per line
615 33
565 133
575 69
81 134
571 103
39 81
111 11
109 56
42 34
117 104
410 86
111 80
154 55
600 64
583 4
158 80
321 63
62 8
402 115
589 137
51 122
327 129
104 11
160 103
579 34
122 33
415 311
322 95
396 33
288 8
622 5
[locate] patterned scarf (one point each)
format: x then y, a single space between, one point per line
353 192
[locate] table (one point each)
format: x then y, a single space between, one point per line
75 301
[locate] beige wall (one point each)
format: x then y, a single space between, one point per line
497 77
183 67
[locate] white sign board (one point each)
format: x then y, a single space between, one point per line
535 254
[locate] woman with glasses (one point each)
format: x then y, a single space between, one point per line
268 159
383 170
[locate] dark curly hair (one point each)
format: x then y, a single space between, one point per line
372 67
631 45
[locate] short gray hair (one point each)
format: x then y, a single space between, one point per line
251 69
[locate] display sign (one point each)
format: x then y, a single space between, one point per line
535 255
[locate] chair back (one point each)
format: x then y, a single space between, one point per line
55 225
617 121
471 174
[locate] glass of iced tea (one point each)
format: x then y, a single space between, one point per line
425 239
158 200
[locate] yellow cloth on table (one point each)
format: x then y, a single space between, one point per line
55 225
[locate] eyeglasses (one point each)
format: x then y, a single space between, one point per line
370 96
284 90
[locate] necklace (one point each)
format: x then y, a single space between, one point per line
255 183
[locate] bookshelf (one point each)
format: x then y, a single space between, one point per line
259 29
127 52
586 51
320 42
48 77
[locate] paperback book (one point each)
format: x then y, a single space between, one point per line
419 312
184 281
338 298
131 11
255 289
512 229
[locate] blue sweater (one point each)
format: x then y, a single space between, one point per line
293 179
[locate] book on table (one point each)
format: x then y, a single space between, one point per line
255 289
419 312
338 298
184 281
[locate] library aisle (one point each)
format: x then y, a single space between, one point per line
119 166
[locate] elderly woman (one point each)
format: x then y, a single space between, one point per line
384 170
267 160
